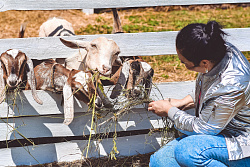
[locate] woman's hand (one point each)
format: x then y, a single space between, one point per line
160 107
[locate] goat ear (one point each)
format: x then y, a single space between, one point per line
68 104
105 100
148 82
124 74
75 44
2 85
32 80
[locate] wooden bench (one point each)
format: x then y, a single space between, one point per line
43 124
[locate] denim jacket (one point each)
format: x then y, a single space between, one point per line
224 104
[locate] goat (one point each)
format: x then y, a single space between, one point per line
102 54
132 76
16 69
56 27
56 78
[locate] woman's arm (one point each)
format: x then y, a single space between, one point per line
216 113
183 104
214 116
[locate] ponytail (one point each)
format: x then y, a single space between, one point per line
198 42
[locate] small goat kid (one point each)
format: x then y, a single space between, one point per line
54 77
134 77
16 68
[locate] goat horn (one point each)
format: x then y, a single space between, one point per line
2 85
68 104
32 82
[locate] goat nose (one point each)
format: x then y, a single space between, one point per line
13 83
106 69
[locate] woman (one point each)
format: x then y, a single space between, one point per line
219 133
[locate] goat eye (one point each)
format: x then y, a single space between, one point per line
93 45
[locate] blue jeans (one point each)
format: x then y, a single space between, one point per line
196 150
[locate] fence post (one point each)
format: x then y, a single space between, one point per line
88 11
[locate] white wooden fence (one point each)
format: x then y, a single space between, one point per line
43 124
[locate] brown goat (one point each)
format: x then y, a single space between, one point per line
16 69
55 77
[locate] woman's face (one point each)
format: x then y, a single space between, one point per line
190 65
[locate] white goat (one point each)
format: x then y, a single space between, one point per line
100 54
56 27
16 69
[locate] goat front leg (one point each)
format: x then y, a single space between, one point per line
68 104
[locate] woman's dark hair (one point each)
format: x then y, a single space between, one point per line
198 42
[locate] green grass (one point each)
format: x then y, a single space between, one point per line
135 21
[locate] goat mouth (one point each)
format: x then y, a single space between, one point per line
13 86
105 73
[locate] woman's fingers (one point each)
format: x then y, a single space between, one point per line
150 107
160 107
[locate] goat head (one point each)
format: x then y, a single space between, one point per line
102 53
135 77
16 68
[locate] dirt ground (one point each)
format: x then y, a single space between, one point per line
141 160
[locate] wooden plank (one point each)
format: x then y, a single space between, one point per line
37 127
52 126
84 4
76 150
131 44
26 105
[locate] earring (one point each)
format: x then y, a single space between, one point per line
206 70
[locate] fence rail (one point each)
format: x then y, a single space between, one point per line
85 4
131 44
